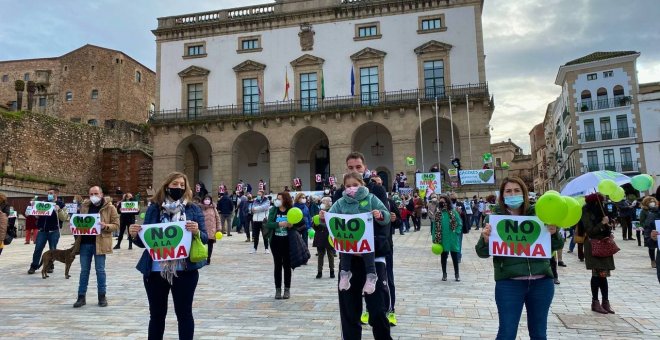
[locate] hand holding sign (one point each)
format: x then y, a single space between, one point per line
485 234
377 214
134 229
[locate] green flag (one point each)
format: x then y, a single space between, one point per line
410 161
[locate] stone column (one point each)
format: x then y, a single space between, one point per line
402 147
222 170
338 153
163 165
280 168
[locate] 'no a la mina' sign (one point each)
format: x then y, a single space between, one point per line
351 233
166 241
85 224
518 236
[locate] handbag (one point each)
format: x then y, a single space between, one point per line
298 251
604 248
578 239
198 250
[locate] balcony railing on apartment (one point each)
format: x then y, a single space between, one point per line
565 114
333 104
597 136
600 104
618 167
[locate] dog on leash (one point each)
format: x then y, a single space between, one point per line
65 256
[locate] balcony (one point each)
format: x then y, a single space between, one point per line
622 167
328 104
601 104
565 114
598 136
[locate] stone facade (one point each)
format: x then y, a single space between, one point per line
539 161
519 164
90 85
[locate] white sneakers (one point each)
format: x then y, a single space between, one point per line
345 280
370 284
266 251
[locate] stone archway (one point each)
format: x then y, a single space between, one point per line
311 156
250 160
194 158
374 140
435 140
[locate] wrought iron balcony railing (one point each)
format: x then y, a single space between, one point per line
600 104
617 166
328 104
597 136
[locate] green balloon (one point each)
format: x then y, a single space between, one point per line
618 195
316 219
311 233
573 213
294 215
436 248
650 179
551 209
552 192
607 187
142 215
581 200
642 182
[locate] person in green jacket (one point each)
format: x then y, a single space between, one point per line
520 281
446 231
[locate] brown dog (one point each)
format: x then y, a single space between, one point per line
65 256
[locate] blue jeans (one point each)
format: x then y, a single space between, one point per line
475 220
87 252
511 295
42 237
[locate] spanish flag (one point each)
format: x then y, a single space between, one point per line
286 84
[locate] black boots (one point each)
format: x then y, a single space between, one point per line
103 302
80 302
319 275
287 294
278 293
332 274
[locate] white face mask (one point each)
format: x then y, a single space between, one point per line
207 202
303 201
652 204
95 199
326 191
323 206
278 203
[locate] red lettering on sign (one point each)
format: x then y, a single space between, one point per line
539 251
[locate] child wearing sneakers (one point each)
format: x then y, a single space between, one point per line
356 199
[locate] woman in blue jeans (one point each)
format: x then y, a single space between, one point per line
520 281
172 202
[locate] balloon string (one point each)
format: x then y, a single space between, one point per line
600 204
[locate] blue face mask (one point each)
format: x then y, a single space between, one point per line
514 201
51 197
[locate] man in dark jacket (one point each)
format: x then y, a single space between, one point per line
49 229
225 209
395 223
126 218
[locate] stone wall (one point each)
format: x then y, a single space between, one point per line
38 151
130 169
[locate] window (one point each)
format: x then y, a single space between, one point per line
498 161
66 68
249 44
42 101
608 74
365 31
592 76
619 96
26 77
622 126
195 98
586 104
589 130
369 85
626 159
138 77
196 50
601 94
592 160
608 157
251 94
5 78
95 94
431 24
434 78
308 91
69 96
605 128
93 122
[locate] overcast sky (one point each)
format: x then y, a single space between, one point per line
525 41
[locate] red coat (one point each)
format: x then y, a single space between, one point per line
30 222
404 213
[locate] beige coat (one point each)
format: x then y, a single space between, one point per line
110 217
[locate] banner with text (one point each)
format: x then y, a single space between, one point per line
352 234
166 241
129 207
518 236
42 208
71 208
85 224
429 182
483 176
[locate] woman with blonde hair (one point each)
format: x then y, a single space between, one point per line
172 202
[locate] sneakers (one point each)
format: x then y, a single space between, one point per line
370 284
391 317
364 318
266 251
31 271
345 280
252 251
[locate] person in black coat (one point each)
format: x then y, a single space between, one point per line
225 208
125 220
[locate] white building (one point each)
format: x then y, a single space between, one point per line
649 117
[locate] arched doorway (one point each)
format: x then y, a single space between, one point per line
311 156
250 160
385 176
436 140
374 140
194 159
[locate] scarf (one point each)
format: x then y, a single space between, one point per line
437 238
172 211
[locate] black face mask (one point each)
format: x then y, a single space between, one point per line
453 200
175 193
442 205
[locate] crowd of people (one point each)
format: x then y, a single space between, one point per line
368 277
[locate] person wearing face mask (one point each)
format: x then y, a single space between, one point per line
125 220
171 203
211 222
520 281
49 229
321 243
647 219
446 231
260 207
300 202
96 246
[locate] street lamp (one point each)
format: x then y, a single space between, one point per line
437 145
377 149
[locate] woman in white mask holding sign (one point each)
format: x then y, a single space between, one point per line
520 281
171 203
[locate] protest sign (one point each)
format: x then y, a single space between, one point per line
518 236
71 208
13 214
318 178
429 182
129 207
166 241
453 177
42 208
332 180
657 227
85 224
352 234
483 176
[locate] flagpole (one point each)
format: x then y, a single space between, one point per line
421 145
467 108
437 130
451 122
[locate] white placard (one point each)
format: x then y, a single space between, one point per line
353 234
166 241
518 236
85 224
